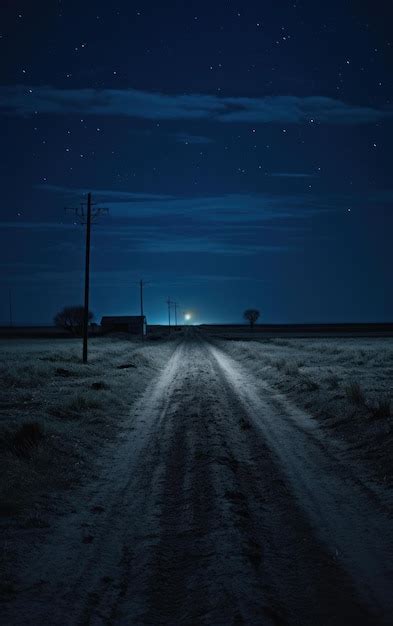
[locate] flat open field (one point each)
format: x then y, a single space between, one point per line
197 480
323 331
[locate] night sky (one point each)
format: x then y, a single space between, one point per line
244 151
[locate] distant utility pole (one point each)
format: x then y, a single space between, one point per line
175 305
141 285
86 218
10 304
141 292
169 303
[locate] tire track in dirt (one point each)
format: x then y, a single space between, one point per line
233 545
347 514
199 519
192 570
74 581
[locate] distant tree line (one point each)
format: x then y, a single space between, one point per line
71 318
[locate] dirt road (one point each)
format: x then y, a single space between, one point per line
224 504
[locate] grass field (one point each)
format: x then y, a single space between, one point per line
254 452
55 412
346 383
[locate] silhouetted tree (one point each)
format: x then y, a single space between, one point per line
251 315
71 318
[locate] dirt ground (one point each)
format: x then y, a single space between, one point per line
223 482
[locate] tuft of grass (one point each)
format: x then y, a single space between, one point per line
333 381
355 394
383 408
23 376
79 405
141 360
292 369
26 438
99 385
61 371
244 424
33 459
280 364
311 385
84 402
61 357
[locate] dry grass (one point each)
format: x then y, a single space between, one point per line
355 394
31 456
87 403
100 385
28 436
56 413
309 383
22 441
22 376
291 369
65 356
383 408
333 381
280 364
344 383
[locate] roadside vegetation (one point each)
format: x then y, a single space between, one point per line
346 384
56 413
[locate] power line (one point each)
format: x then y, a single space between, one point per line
10 306
175 305
86 218
169 303
141 295
141 285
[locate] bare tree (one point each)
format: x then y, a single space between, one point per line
71 318
251 315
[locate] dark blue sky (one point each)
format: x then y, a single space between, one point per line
243 149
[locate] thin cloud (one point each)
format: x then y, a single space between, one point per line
38 226
178 137
189 245
110 194
291 175
230 208
37 278
23 100
191 139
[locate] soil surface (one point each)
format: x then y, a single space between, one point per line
223 504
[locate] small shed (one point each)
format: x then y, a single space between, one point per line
133 324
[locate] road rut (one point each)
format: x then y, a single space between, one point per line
224 504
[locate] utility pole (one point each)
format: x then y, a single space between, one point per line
10 305
141 291
141 284
169 313
86 219
87 279
175 305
